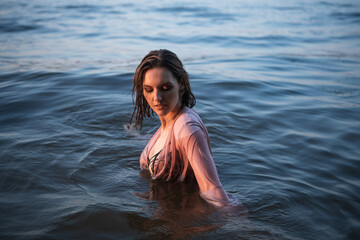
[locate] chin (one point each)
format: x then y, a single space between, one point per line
161 113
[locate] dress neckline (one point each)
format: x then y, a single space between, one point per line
158 132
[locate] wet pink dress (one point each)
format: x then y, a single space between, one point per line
186 154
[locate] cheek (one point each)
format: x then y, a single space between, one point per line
146 96
175 95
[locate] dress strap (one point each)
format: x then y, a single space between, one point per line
152 161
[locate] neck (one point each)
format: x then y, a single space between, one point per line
167 120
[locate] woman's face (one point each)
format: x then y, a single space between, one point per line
161 91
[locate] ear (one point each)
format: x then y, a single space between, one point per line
182 89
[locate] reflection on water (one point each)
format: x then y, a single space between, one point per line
177 211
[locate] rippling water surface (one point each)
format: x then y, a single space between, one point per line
277 85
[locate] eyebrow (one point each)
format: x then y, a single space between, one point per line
167 83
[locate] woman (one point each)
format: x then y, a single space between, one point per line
180 149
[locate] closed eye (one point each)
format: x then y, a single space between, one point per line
167 87
147 89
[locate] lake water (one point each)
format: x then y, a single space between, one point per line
277 85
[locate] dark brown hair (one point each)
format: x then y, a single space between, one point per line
158 59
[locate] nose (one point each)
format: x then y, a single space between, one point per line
157 96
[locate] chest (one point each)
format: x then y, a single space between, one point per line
159 143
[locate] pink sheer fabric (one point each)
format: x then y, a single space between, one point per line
187 153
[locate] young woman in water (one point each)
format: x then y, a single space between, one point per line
180 149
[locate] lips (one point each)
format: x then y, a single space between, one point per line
159 106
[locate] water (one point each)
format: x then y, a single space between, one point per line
277 85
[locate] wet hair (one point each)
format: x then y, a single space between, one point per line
159 59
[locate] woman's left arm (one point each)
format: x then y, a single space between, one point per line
197 150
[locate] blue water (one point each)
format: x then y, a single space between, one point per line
277 85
